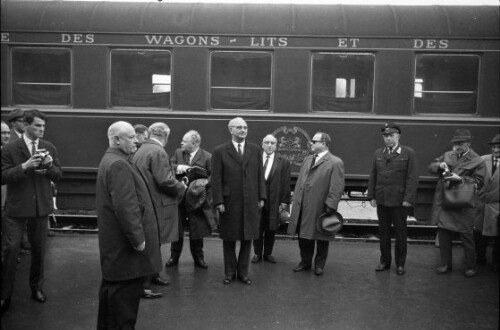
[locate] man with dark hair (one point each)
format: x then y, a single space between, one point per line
28 167
318 191
392 189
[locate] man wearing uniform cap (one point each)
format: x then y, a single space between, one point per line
392 189
16 119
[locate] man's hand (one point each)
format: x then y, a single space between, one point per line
220 208
141 247
182 169
407 204
373 203
282 207
261 204
33 162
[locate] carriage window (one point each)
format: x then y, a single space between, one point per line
41 76
342 82
240 80
446 84
140 78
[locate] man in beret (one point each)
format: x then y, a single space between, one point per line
392 189
459 165
16 120
318 191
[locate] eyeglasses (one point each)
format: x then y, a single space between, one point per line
314 141
240 127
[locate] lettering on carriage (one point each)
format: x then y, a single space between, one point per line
5 36
348 42
430 43
77 38
268 42
157 39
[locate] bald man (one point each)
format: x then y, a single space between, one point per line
129 244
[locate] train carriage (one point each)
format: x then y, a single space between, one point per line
288 69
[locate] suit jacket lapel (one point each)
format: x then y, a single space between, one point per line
273 167
232 151
196 156
24 148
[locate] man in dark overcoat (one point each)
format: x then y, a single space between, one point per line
277 176
318 190
28 166
239 193
186 157
129 239
461 164
392 189
153 163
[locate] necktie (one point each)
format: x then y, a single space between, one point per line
265 165
191 156
314 160
239 150
33 148
390 150
495 165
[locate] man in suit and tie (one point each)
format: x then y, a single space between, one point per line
154 165
28 166
486 225
129 239
318 191
392 189
239 192
277 176
16 120
186 157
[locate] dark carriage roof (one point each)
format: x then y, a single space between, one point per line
252 19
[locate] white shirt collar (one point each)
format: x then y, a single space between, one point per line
320 155
156 140
29 142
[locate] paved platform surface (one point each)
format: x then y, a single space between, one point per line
349 296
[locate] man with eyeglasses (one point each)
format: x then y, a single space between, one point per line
318 191
239 192
16 120
392 189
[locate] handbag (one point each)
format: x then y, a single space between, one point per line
459 196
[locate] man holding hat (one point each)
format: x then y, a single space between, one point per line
486 226
392 189
16 120
460 165
317 194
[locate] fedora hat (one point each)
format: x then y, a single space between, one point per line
284 217
329 224
461 135
195 173
495 140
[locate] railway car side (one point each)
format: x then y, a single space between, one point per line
287 69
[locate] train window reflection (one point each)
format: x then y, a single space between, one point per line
446 83
140 78
41 76
240 80
342 82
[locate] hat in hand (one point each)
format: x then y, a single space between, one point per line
329 224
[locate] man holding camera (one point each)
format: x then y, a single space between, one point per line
28 166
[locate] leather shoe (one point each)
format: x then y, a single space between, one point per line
256 259
400 270
228 279
201 263
171 262
470 273
382 267
318 271
159 281
5 304
149 294
39 296
443 270
270 259
301 267
244 280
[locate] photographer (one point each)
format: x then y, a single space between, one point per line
460 165
28 167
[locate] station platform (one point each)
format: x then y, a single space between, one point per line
349 296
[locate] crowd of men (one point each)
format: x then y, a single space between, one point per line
146 198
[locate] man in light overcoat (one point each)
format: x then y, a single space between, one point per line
318 190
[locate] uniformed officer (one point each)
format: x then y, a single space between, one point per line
392 189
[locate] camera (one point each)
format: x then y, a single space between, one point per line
446 173
42 154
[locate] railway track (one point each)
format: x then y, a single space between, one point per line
353 230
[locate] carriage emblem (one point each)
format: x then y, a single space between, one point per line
292 144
